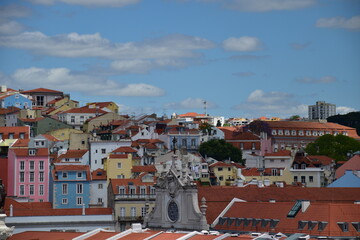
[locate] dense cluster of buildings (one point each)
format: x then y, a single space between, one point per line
89 172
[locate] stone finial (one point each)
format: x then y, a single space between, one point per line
203 206
5 232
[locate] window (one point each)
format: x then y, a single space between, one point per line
303 179
295 179
220 169
79 174
41 176
311 179
132 190
133 211
31 189
308 133
22 190
40 100
72 119
121 190
204 167
81 119
32 165
103 150
221 178
280 132
315 133
100 200
152 190
1 135
41 165
32 152
273 132
301 133
77 160
79 201
184 142
11 135
22 135
100 186
293 132
119 165
22 176
22 165
64 175
253 145
287 132
193 141
41 190
64 189
31 177
122 212
79 188
143 211
64 201
242 146
67 159
142 191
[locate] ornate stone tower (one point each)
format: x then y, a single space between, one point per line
176 204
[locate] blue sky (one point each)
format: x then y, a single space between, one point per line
244 58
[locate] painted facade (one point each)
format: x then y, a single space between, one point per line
71 186
15 99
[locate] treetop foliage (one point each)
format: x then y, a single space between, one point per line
220 150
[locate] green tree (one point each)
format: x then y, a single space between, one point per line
336 147
205 128
294 117
219 149
351 119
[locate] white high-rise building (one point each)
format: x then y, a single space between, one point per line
322 110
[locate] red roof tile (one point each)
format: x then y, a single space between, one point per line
140 236
192 114
115 183
41 90
352 164
124 150
279 153
85 109
140 169
73 154
24 152
42 235
98 174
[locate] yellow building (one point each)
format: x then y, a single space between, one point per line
266 175
60 105
106 106
64 133
131 199
103 119
119 163
225 173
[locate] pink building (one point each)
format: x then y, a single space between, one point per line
28 172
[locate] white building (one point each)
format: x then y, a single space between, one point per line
322 110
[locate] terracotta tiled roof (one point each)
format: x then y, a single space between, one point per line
41 90
352 164
102 235
21 143
31 119
50 137
7 130
124 150
168 236
279 153
220 164
115 183
140 169
192 114
217 197
102 104
42 235
98 174
85 109
331 213
140 236
24 152
71 167
46 209
9 110
73 154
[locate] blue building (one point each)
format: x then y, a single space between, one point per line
70 186
15 99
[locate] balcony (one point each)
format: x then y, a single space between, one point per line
135 196
130 219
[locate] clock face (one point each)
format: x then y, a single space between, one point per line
173 211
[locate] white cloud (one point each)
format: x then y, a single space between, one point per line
8 12
89 3
260 103
267 5
344 110
65 80
190 103
326 79
340 22
172 51
242 44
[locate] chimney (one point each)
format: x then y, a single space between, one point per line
11 210
3 88
83 209
304 205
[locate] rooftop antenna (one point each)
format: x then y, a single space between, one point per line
204 106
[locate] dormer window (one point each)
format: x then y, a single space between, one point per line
344 226
308 133
280 132
79 174
273 132
293 132
32 152
64 175
287 132
303 166
315 133
301 133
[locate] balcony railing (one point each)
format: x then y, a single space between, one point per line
130 219
135 196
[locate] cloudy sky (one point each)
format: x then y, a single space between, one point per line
244 58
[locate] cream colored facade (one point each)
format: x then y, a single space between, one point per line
63 105
113 107
118 167
79 140
29 113
284 176
64 133
226 174
104 119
